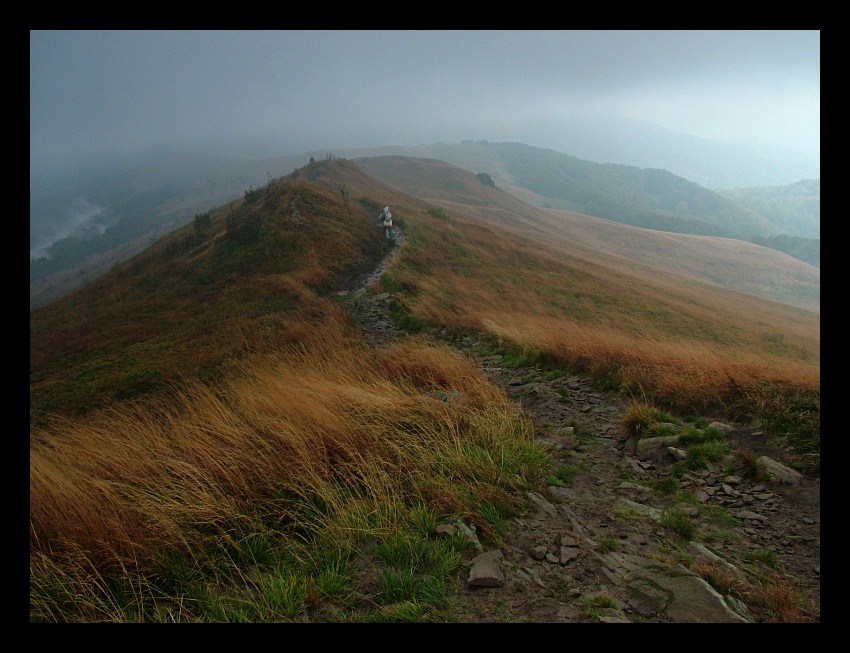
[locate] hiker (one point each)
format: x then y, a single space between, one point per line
387 221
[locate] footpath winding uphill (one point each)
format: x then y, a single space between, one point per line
602 546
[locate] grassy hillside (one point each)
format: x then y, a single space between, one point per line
778 218
139 201
727 263
212 440
672 339
236 280
131 205
654 199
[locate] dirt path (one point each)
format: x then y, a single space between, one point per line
598 544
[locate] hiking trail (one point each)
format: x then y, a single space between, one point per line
596 549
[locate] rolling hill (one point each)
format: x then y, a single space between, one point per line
649 198
728 263
208 291
78 232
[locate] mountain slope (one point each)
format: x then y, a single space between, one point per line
79 231
649 198
235 282
248 428
727 263
475 257
793 207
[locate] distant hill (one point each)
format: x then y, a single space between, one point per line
82 230
654 199
709 163
795 208
727 263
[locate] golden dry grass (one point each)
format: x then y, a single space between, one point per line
669 336
128 483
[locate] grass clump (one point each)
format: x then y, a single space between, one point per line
693 435
638 418
672 556
667 486
681 524
626 513
788 411
643 420
606 544
662 429
598 605
562 476
565 395
720 578
750 466
763 556
771 598
699 455
778 601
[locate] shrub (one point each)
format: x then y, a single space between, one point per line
252 195
438 213
486 179
720 578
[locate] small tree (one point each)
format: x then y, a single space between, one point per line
202 223
486 179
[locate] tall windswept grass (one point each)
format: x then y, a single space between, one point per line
665 340
306 449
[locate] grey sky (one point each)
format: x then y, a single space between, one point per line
96 92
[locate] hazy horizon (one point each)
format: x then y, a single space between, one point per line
102 94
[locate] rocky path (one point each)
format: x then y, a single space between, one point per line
600 543
370 309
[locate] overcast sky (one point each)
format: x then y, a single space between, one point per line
97 92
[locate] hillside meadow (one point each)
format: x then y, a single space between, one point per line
211 439
657 315
723 262
682 344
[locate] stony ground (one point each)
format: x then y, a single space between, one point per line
609 505
597 546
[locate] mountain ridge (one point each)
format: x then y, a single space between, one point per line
277 233
127 212
758 270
